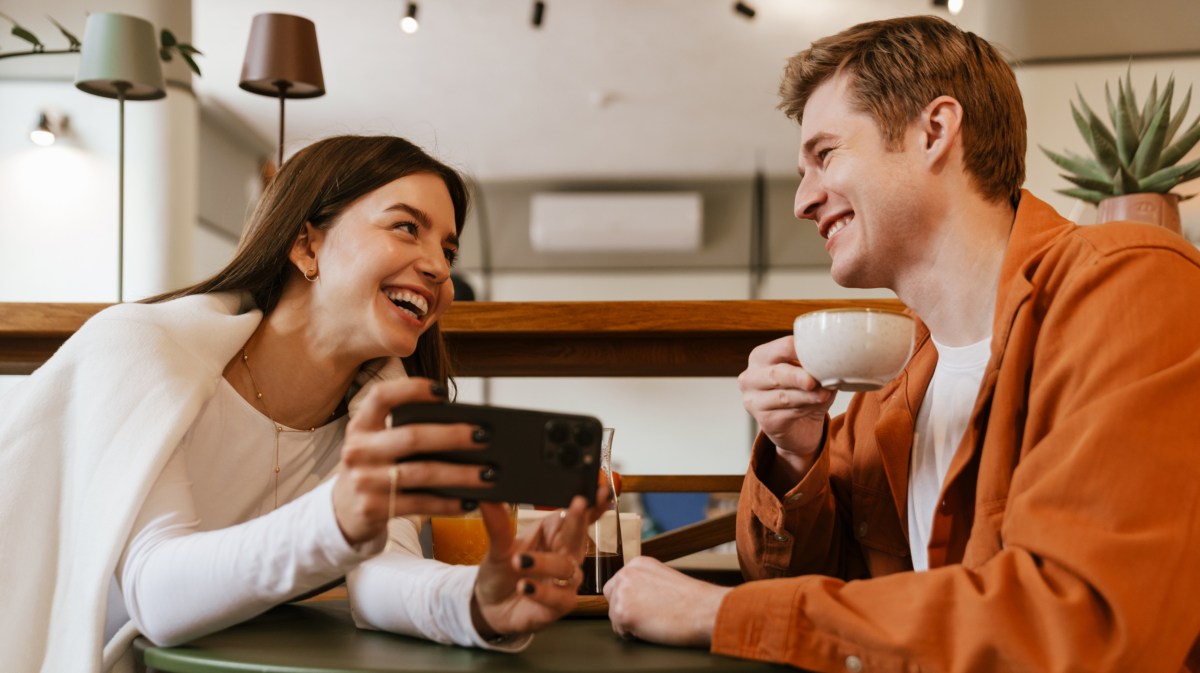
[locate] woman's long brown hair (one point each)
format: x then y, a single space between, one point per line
316 185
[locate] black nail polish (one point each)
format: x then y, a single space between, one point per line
526 561
529 588
470 505
489 474
480 435
439 389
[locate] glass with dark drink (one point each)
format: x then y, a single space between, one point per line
597 569
605 552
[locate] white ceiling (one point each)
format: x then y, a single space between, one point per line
604 89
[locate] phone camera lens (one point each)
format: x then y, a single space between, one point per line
556 431
584 437
570 455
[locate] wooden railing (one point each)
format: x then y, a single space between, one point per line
641 338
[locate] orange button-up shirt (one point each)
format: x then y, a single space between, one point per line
1068 534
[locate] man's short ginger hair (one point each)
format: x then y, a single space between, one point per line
898 66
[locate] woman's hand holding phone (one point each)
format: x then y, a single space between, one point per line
527 583
371 486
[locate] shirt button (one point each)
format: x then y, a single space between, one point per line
779 537
862 528
795 497
854 664
945 507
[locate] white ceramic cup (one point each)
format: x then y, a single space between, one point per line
854 349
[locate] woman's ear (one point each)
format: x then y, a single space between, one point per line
304 250
941 126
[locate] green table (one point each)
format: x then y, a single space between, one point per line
320 637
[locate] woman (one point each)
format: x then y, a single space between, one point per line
180 448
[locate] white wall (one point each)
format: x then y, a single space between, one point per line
58 222
1048 92
58 205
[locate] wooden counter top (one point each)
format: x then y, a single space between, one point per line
622 338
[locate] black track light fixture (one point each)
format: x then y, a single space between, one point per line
953 6
409 23
744 9
539 13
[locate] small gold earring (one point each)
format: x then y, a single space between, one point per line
311 274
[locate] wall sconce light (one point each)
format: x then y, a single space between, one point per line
409 24
43 134
539 13
744 9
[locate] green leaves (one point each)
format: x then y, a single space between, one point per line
1150 145
1166 178
1140 150
72 41
20 31
1078 165
169 44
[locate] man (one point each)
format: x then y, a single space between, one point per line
1047 520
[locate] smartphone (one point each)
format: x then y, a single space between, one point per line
541 457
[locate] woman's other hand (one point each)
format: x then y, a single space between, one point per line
371 486
527 583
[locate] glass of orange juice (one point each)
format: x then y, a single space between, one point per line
462 539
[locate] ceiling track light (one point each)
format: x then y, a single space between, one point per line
744 9
409 24
953 6
539 13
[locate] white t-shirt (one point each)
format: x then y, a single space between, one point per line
941 423
209 549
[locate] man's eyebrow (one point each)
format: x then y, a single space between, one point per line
815 140
421 217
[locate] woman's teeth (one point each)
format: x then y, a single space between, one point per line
409 301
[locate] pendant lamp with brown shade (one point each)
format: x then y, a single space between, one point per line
282 61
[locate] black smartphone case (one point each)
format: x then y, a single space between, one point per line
541 458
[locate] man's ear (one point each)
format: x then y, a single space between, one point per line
941 126
304 249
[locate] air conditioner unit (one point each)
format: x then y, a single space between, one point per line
615 221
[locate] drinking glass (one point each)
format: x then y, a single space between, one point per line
462 539
605 552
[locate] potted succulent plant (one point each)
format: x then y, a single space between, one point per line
1135 162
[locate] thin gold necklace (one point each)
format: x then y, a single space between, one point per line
279 427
